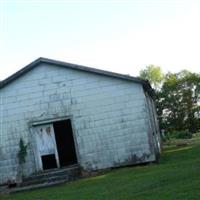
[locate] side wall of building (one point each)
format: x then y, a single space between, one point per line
154 130
109 117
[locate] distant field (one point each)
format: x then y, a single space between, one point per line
176 177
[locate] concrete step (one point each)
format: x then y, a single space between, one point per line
50 177
3 189
54 172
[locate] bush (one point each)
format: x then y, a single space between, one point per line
166 137
185 134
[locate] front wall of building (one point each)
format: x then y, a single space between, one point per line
108 115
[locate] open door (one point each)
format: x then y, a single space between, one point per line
65 143
55 145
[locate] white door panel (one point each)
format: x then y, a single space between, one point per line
45 142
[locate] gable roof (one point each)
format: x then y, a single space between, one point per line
145 83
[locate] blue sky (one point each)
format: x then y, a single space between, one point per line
122 36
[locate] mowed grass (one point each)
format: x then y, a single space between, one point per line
177 176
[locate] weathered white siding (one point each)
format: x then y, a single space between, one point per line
109 117
153 126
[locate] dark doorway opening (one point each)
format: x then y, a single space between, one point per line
49 161
65 143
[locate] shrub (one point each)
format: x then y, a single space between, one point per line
184 134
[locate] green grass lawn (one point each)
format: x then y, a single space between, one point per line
176 177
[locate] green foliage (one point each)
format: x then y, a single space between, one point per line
177 102
185 134
166 137
153 74
177 99
22 153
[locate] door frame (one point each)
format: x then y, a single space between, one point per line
34 124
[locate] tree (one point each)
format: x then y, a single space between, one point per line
178 102
154 74
177 98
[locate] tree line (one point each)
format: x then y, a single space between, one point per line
177 99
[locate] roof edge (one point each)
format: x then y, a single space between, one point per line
19 73
145 83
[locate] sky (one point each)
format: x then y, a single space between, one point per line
122 36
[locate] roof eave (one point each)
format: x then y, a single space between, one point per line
33 64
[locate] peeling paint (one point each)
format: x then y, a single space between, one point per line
109 122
